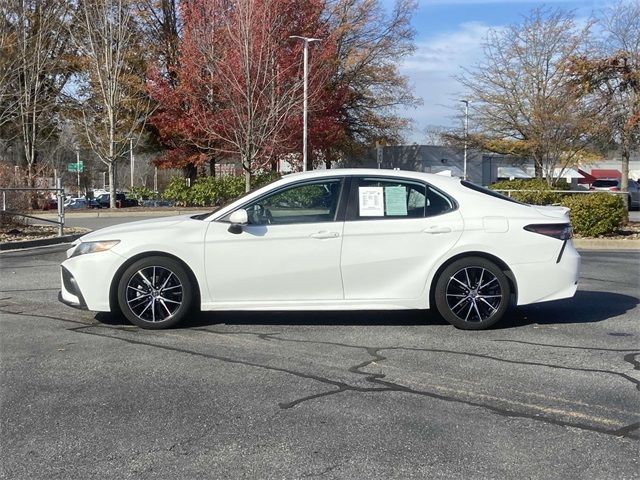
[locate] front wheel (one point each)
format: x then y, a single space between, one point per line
155 292
472 293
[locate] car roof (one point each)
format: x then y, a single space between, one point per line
428 177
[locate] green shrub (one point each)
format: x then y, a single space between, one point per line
230 187
543 194
177 191
140 193
595 214
205 191
260 179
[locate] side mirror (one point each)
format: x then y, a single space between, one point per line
237 220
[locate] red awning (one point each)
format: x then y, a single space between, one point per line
606 173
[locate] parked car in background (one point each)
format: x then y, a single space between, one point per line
353 239
74 203
613 185
103 201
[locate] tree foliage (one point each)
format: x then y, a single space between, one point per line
524 100
611 76
237 89
369 46
35 65
111 95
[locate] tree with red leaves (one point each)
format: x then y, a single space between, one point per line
238 88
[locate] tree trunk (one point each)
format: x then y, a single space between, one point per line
191 172
112 185
624 181
247 180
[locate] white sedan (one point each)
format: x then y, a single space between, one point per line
332 240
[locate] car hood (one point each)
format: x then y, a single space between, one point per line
139 227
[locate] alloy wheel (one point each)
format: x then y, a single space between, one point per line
473 294
154 294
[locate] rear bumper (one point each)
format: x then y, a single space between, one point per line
546 281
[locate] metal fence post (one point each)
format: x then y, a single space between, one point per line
60 197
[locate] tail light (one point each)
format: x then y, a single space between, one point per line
561 231
615 189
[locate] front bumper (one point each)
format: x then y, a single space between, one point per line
70 293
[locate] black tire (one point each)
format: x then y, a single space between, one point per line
472 293
155 292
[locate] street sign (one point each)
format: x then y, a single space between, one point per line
75 167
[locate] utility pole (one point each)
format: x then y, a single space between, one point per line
466 134
131 158
78 169
306 41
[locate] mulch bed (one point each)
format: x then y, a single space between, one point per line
19 233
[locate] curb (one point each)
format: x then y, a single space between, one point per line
606 244
40 243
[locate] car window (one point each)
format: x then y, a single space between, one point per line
312 202
392 198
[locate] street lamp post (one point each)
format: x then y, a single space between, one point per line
306 41
78 169
466 134
131 158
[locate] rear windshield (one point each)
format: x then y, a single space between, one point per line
489 192
605 183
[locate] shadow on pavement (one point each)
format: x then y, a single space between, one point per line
584 307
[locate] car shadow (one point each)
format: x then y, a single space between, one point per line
584 307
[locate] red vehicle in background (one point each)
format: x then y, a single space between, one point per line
613 185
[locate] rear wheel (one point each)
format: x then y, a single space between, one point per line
472 293
155 292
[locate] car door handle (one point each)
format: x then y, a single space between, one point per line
437 229
325 234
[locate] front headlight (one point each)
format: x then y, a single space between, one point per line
93 247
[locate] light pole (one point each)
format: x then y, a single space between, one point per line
306 41
131 158
466 134
78 168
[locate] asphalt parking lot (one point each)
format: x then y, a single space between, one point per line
552 392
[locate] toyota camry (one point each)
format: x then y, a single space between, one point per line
354 239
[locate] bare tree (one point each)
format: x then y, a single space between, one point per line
524 98
112 96
435 135
8 63
621 78
370 44
40 35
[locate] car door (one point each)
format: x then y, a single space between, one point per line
395 230
288 252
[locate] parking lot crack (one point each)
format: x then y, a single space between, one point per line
383 386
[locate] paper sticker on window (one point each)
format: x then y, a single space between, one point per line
371 201
395 200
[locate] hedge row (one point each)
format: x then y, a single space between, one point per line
211 191
591 214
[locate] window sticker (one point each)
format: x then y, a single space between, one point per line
371 201
395 200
